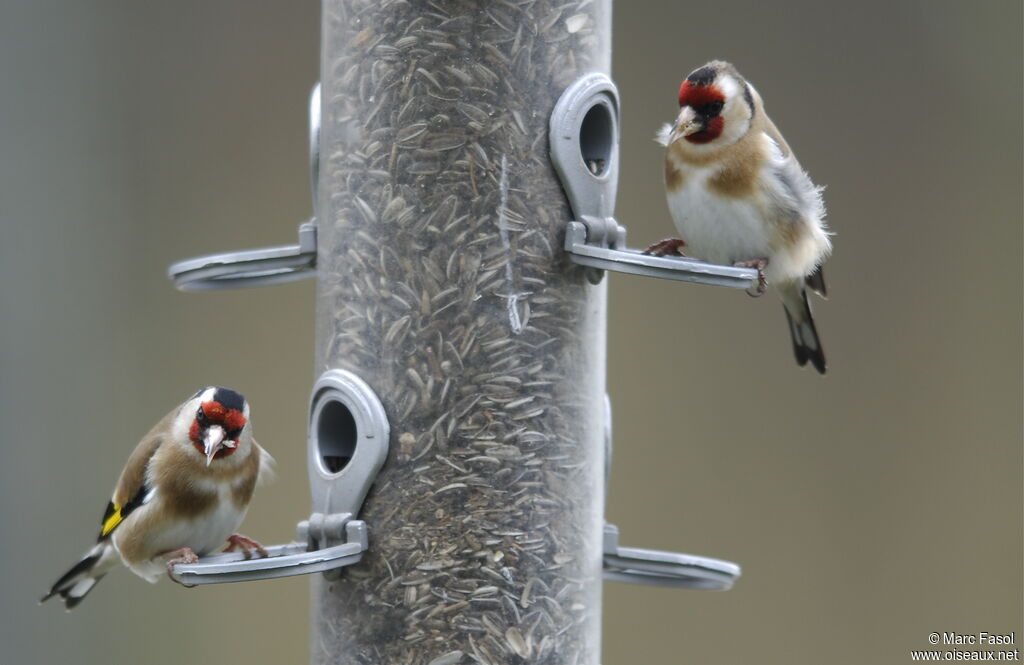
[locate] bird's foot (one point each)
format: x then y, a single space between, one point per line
246 544
184 555
762 283
666 246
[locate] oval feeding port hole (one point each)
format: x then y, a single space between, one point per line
597 136
336 435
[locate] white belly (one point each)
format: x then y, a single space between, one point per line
203 535
715 228
209 532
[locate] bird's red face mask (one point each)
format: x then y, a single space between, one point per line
699 119
215 430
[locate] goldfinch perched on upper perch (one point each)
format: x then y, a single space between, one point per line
182 494
738 196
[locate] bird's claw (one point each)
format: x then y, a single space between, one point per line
245 544
184 555
666 246
762 283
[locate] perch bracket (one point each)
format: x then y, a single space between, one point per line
667 569
313 553
654 567
269 265
250 267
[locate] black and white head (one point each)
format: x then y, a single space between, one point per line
214 421
716 108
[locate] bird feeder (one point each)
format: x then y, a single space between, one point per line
459 438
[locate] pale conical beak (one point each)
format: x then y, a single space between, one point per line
213 442
686 124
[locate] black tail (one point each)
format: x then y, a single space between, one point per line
806 343
73 585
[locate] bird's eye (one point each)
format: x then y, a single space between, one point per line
712 109
201 416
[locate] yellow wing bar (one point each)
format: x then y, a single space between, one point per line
111 519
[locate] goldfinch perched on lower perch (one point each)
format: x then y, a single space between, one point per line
182 494
738 196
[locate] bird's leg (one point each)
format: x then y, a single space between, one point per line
762 283
666 246
246 544
184 555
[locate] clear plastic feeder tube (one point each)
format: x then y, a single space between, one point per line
442 283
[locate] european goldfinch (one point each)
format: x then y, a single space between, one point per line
738 196
182 494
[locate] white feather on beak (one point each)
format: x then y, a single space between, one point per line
212 442
686 123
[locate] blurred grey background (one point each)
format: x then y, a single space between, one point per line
868 508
